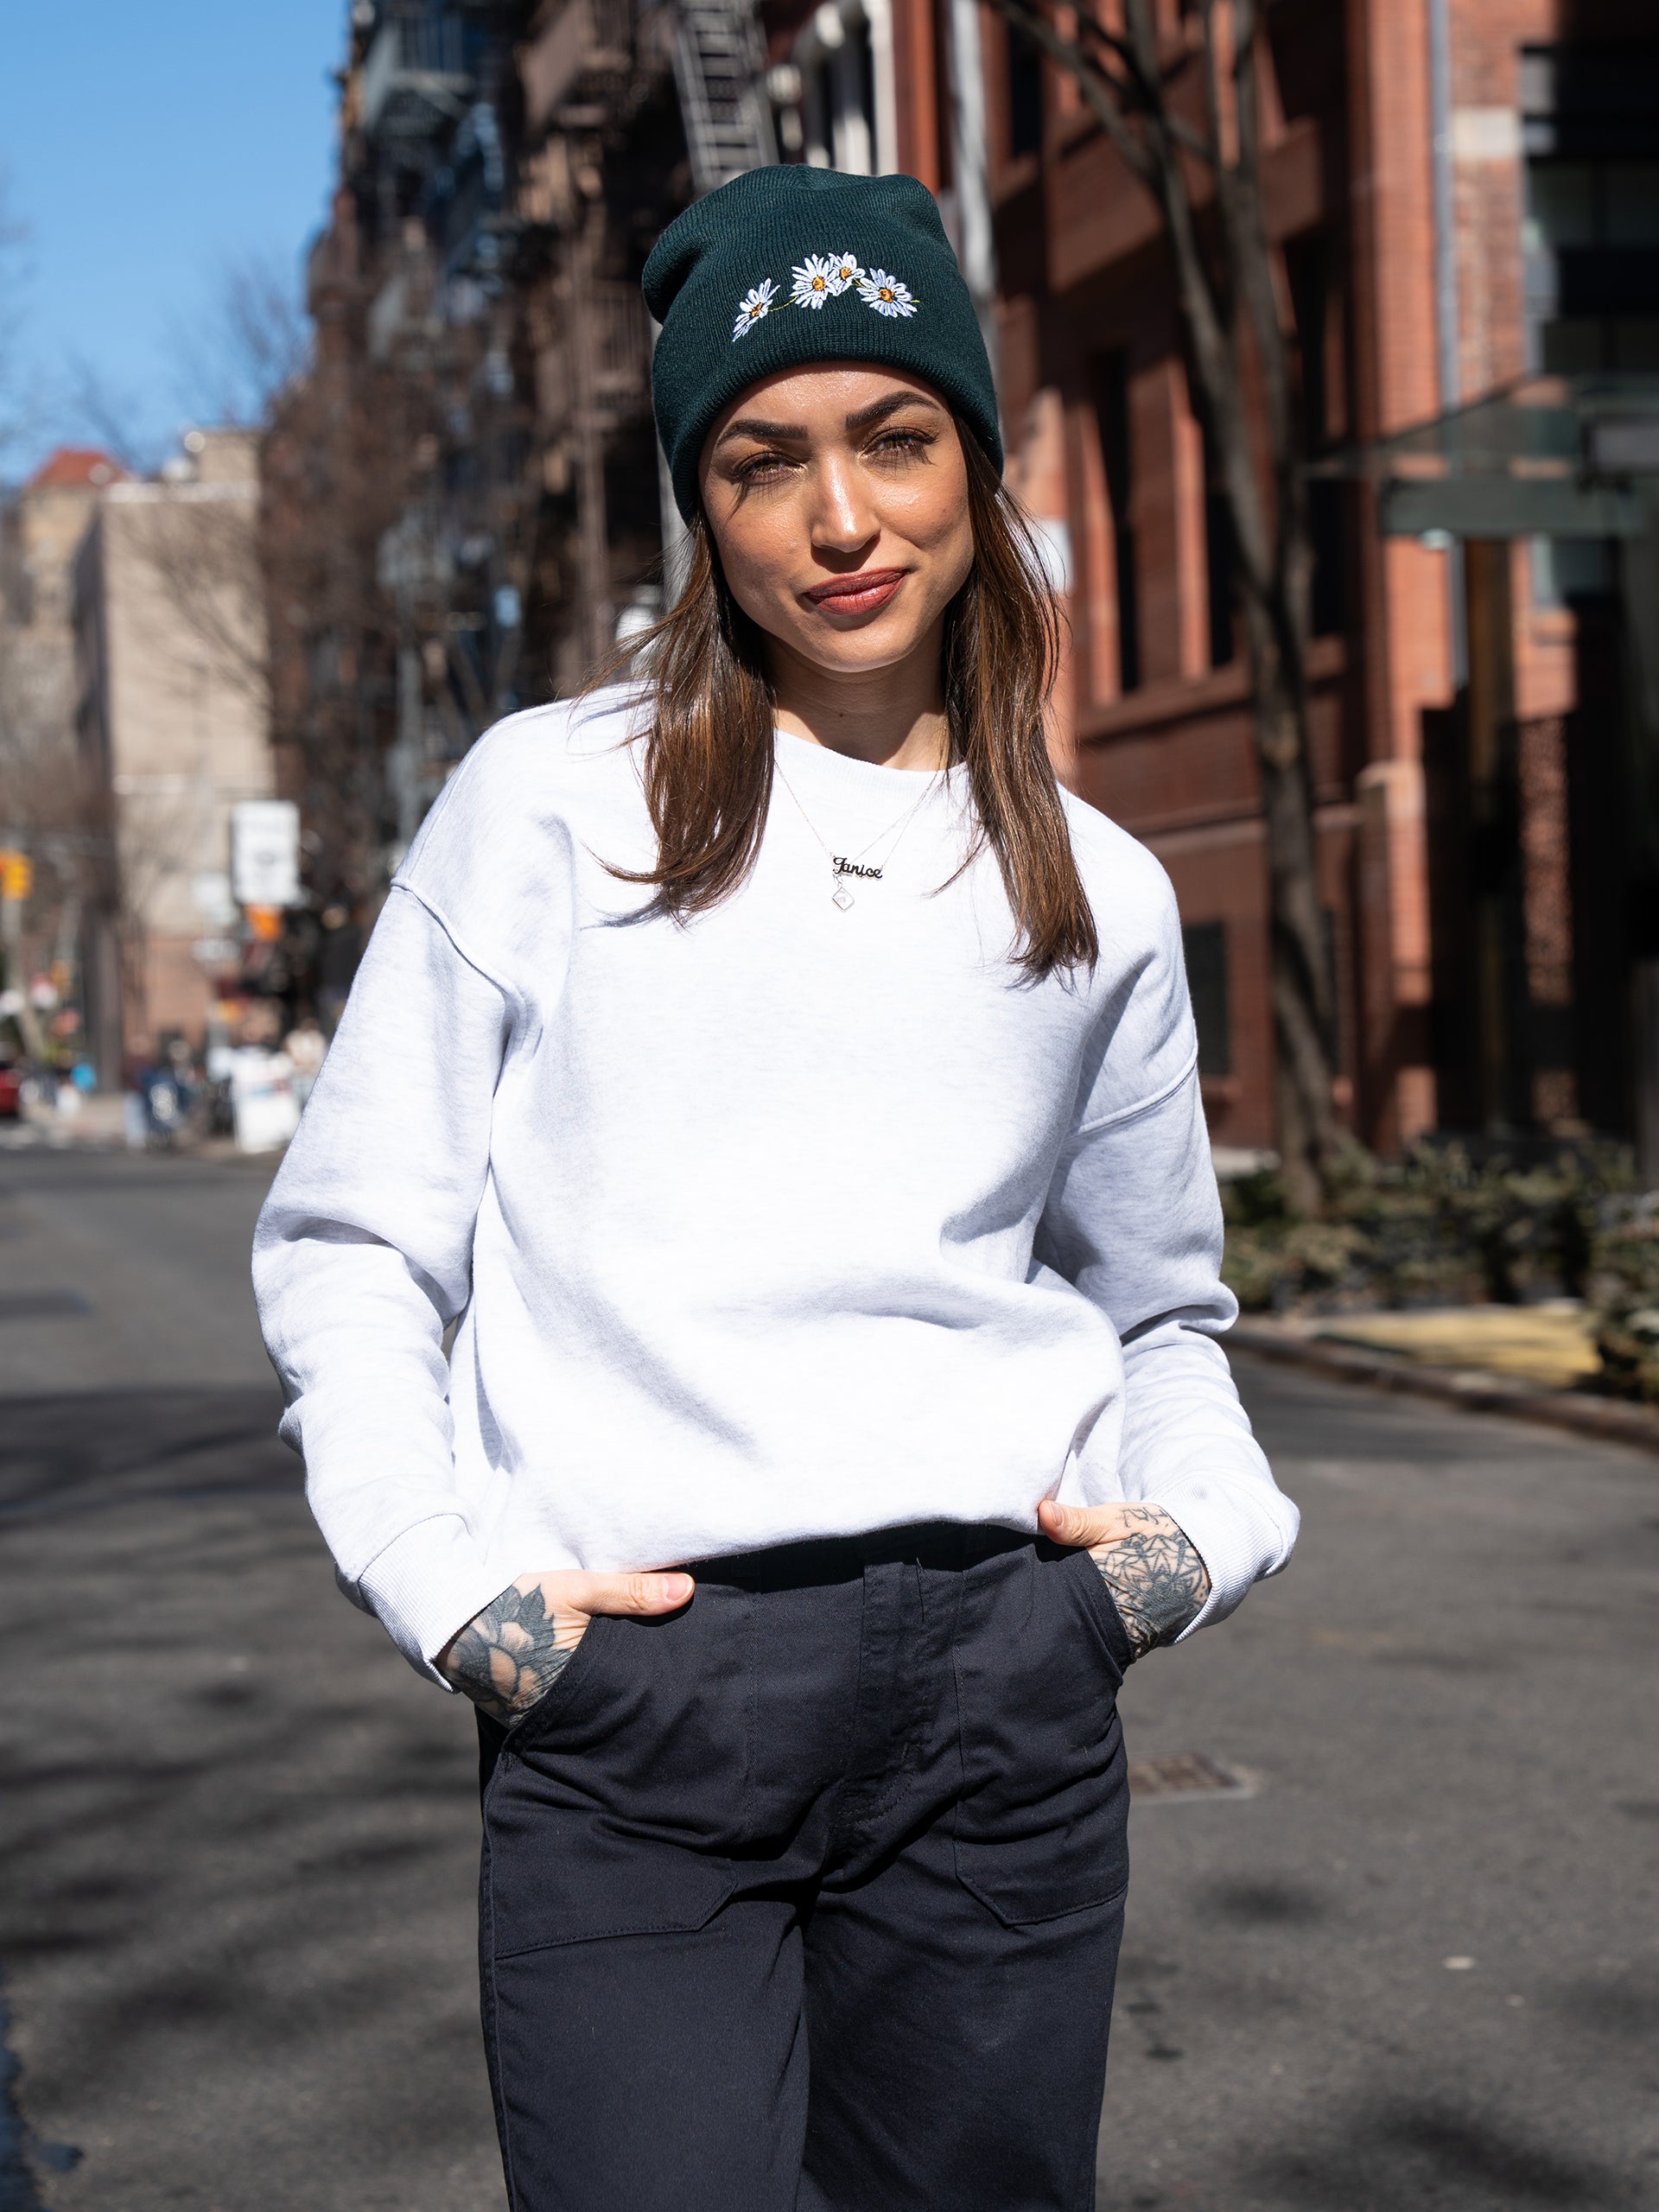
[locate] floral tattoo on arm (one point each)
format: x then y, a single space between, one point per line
509 1656
1155 1576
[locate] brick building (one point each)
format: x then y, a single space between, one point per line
1458 191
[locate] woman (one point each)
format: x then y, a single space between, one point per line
792 1095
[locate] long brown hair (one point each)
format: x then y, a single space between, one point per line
709 752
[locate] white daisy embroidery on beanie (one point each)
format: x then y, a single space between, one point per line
886 294
758 300
814 282
820 277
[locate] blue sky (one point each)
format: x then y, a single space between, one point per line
146 146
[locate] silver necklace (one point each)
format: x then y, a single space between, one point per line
843 866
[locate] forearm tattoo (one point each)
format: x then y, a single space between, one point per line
1155 1574
509 1656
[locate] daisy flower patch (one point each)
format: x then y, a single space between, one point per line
757 302
845 269
814 282
884 292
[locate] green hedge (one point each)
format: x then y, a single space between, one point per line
1443 1227
1623 1289
1438 1227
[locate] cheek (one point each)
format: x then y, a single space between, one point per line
931 506
759 553
938 525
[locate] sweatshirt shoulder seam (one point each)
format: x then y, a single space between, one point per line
1141 1105
492 975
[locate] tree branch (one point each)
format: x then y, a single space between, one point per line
1104 95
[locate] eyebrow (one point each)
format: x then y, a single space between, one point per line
753 426
878 409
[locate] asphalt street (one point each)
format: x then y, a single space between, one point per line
1416 1965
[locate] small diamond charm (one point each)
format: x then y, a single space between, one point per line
841 895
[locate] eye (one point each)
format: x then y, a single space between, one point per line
901 443
760 467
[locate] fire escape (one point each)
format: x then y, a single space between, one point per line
719 57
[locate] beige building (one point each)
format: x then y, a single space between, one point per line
174 719
40 532
41 796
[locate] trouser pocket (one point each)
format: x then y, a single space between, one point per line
1041 1826
613 1808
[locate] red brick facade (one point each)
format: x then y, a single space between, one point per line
1155 727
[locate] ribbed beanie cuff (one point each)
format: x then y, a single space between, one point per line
786 267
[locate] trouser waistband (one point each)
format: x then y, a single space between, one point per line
939 1545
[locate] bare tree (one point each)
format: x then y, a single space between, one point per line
1186 121
248 345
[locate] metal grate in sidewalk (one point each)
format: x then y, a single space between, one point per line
1187 1774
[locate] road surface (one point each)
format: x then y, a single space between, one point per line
1416 1967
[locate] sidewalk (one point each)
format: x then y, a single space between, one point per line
97 1125
1530 1360
100 1125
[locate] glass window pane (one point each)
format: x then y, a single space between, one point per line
1636 342
1631 201
1562 202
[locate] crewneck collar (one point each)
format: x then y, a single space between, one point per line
821 770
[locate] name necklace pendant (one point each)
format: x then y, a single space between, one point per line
841 866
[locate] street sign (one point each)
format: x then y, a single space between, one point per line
17 876
265 852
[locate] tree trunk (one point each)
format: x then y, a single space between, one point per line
1300 968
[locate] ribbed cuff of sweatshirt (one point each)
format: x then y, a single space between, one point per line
426 1586
1238 1541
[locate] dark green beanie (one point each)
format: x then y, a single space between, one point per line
786 267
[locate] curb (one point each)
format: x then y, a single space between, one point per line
1472 1388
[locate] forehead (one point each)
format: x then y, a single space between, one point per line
820 398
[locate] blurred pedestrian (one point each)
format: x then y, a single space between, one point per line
307 1048
792 1095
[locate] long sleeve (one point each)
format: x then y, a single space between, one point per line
363 1257
1133 1220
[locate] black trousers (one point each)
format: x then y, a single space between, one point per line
807 1898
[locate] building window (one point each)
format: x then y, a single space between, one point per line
1567 570
1217 555
1590 234
1205 946
1306 270
1112 420
1025 94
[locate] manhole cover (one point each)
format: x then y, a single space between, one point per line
41 1304
1188 1774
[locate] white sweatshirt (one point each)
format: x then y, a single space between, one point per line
792 1220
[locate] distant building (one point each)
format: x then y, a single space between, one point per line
42 792
173 721
41 526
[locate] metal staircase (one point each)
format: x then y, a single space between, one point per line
719 63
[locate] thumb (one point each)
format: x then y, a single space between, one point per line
637 1593
1065 1525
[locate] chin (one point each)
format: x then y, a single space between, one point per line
860 655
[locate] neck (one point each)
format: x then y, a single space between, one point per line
892 717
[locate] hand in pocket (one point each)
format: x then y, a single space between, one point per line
1157 1579
510 1655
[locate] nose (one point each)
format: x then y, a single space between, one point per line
842 521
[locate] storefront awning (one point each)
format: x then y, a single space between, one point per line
1549 456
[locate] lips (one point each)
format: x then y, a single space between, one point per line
857 595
